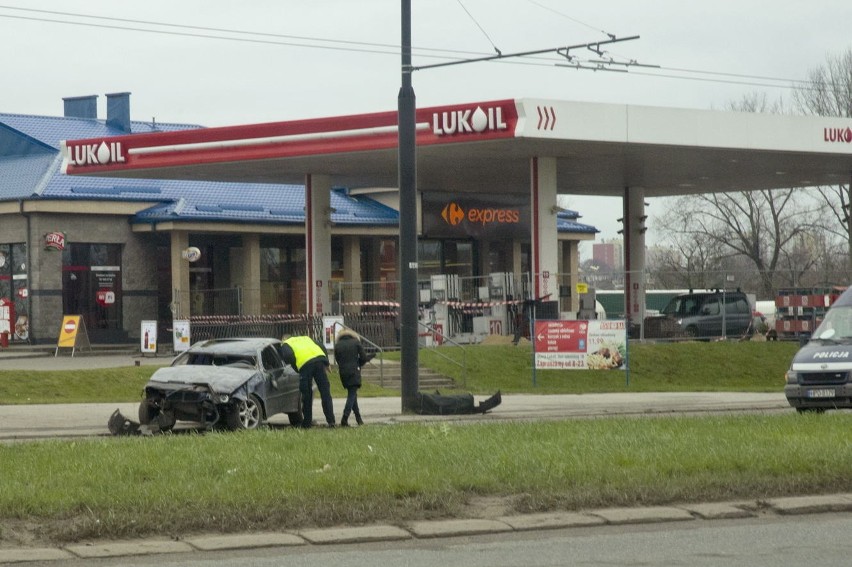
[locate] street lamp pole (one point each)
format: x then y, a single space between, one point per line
407 163
407 221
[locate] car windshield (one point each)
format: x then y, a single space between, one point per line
211 359
837 324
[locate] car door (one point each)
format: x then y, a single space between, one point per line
710 322
281 386
738 314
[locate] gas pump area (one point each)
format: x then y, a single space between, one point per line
458 310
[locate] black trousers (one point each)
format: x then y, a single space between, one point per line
314 370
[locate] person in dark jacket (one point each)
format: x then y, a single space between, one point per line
350 356
310 359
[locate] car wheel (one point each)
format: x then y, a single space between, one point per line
692 331
147 412
296 417
150 414
245 414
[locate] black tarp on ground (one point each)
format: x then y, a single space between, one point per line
455 404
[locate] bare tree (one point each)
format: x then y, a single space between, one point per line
684 261
830 90
830 94
757 225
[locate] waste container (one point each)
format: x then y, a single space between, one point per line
4 339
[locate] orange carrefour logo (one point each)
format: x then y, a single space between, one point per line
452 214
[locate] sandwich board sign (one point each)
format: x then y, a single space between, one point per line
73 334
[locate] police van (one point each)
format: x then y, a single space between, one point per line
820 376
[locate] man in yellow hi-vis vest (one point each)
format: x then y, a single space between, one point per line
310 359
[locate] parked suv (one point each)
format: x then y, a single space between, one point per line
708 314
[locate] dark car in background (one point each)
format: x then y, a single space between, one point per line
710 314
232 383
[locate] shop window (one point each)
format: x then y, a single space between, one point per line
455 257
91 284
428 258
282 275
500 256
388 276
14 289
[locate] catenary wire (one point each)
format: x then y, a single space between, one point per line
791 83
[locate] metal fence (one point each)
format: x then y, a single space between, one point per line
460 306
378 329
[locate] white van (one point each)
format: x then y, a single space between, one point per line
820 377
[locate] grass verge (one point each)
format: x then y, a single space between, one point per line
676 367
287 478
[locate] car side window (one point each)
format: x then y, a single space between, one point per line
270 358
711 307
736 305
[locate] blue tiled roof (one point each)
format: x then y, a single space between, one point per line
51 130
564 225
29 168
22 176
566 221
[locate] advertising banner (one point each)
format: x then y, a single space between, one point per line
148 337
181 340
7 315
454 215
331 325
580 345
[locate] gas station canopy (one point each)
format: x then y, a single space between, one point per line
600 149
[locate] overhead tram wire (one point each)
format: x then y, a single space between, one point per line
485 33
424 52
573 19
394 48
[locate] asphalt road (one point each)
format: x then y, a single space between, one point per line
782 541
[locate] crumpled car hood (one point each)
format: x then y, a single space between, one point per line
222 379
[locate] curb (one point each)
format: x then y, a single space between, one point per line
438 528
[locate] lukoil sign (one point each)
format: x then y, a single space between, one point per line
95 154
837 135
468 121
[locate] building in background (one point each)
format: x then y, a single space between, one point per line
118 251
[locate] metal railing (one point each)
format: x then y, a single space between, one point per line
463 364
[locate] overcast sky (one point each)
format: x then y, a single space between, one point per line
305 59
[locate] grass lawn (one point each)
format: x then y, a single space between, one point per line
289 478
687 366
284 478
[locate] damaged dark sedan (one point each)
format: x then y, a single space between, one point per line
230 383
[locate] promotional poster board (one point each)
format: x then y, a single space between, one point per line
7 315
331 325
148 337
581 345
181 335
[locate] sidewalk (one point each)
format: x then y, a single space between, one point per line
436 528
42 358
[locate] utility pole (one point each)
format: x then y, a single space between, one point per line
407 157
407 163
